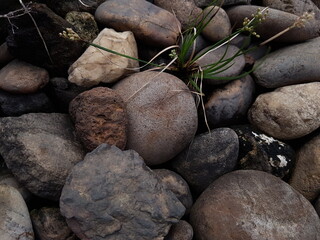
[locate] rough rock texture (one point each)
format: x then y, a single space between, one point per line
162 115
258 151
288 112
209 156
21 77
229 104
305 177
290 65
49 224
15 223
253 205
95 65
40 149
149 23
180 231
120 198
100 117
275 22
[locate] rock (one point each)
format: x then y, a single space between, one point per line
180 231
40 149
249 204
84 24
289 65
305 176
120 198
233 69
149 23
162 115
199 44
100 117
230 103
5 56
26 44
219 26
317 206
258 151
289 112
206 3
16 105
276 21
187 15
95 65
209 156
49 224
177 185
21 77
317 3
15 221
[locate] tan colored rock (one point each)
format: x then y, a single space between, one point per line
96 65
21 77
306 175
289 112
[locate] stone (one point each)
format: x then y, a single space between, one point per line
19 77
149 23
26 44
305 176
289 112
206 3
5 56
289 65
95 65
258 151
219 26
40 149
185 10
119 198
84 24
232 69
15 221
253 205
100 117
209 156
162 115
16 105
180 231
317 3
230 103
276 21
317 206
175 183
49 224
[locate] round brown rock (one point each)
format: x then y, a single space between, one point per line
100 117
253 205
180 231
162 115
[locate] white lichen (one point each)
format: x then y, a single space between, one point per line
268 140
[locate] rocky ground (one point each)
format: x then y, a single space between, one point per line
92 147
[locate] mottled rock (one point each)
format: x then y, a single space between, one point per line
248 204
15 221
120 198
148 22
229 104
288 112
175 183
289 65
95 65
258 151
162 115
180 231
275 22
21 77
100 117
49 224
5 56
209 156
305 176
40 149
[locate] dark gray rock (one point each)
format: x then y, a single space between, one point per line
209 156
40 149
205 3
5 56
180 231
119 198
258 151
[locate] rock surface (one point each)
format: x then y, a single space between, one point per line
180 231
120 198
249 204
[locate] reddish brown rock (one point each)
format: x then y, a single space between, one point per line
100 117
180 231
